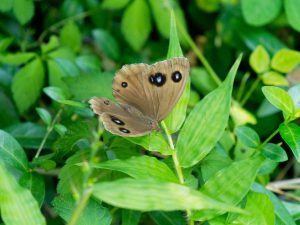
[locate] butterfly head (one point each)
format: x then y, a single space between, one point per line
154 125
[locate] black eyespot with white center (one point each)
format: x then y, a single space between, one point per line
116 120
124 130
124 84
157 79
176 76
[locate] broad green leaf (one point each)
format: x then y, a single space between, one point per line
92 214
107 43
70 36
279 98
274 152
114 4
88 63
167 218
211 114
17 58
136 24
33 72
174 44
274 78
130 217
8 115
209 5
247 136
17 204
229 185
241 116
23 10
293 208
294 92
5 42
291 135
11 153
259 59
285 60
292 13
69 67
282 215
153 142
6 5
56 75
55 93
36 184
260 209
52 44
202 81
44 115
142 167
259 13
121 147
148 195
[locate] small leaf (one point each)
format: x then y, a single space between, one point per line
23 10
33 72
285 60
291 135
292 13
70 36
88 63
17 58
11 153
174 44
241 116
211 114
51 45
167 218
259 59
136 24
68 66
55 93
274 152
279 98
208 5
130 217
114 4
6 5
56 75
274 78
18 206
45 115
148 195
140 168
247 136
260 208
255 14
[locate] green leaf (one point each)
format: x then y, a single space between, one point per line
259 13
136 24
274 152
92 214
202 81
5 42
174 44
88 63
211 114
130 217
23 10
8 115
241 116
6 5
107 43
114 4
247 136
229 185
55 93
33 72
69 68
285 60
291 135
260 209
208 5
292 13
274 78
52 44
11 153
17 204
36 184
148 195
17 58
70 36
279 98
167 218
259 59
44 115
140 168
55 75
294 92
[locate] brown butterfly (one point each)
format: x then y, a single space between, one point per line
146 94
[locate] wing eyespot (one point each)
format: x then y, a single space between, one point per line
124 130
176 76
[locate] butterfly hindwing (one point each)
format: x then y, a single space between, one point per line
119 119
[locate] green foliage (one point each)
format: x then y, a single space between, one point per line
228 153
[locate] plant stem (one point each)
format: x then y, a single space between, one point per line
250 92
268 138
176 164
80 206
242 86
49 129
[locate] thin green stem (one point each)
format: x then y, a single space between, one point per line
250 92
201 57
242 86
268 138
49 129
81 205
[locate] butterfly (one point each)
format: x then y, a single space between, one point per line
146 94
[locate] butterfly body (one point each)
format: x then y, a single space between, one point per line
146 94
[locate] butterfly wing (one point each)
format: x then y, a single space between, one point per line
154 90
122 120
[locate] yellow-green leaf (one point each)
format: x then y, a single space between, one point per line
259 59
285 60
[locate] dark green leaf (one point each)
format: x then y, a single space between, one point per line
44 115
291 135
55 93
8 115
114 4
167 218
202 81
6 5
70 36
23 10
274 152
130 217
247 136
69 67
